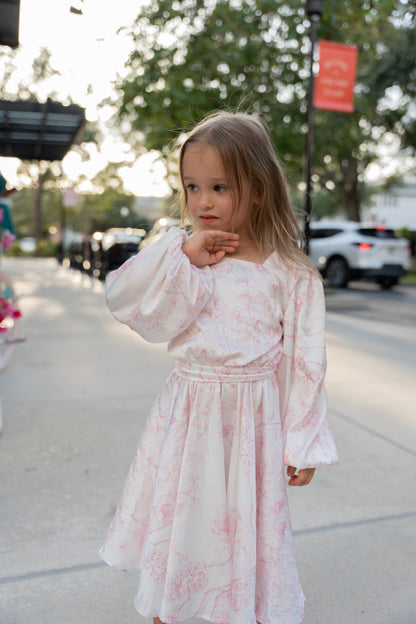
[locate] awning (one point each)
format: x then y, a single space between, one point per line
9 22
39 131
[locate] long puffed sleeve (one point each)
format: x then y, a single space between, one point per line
307 439
158 293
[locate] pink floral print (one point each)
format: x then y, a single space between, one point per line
204 511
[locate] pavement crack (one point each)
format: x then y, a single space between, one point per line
373 432
42 573
354 523
299 533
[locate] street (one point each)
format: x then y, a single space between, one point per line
368 300
75 397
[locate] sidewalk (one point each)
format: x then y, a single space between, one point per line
74 400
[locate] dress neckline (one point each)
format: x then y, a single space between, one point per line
260 264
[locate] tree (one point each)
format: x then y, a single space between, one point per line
347 144
102 210
37 175
94 211
192 57
395 76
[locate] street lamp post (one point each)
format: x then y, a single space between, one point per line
314 12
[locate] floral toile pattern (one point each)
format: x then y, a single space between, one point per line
204 511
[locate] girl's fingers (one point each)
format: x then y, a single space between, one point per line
303 477
221 238
209 247
226 245
215 257
222 234
218 256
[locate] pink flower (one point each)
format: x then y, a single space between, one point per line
7 310
221 525
7 240
156 566
189 580
197 578
240 595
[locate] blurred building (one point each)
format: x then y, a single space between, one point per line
394 208
152 207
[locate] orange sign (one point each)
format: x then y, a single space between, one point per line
334 84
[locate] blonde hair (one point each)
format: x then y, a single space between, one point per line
246 152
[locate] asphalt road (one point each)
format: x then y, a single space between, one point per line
75 398
368 300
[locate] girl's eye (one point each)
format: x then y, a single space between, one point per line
191 187
220 188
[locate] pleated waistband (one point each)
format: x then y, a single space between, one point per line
194 372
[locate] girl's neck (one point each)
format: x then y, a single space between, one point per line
248 250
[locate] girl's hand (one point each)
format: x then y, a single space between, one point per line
209 246
303 477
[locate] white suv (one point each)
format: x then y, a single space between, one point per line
346 250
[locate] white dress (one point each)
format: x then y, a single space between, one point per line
204 511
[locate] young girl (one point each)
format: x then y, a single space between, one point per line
204 511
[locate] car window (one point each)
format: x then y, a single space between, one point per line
325 232
377 233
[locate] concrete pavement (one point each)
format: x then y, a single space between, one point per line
74 400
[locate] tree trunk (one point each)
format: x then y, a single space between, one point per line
37 205
351 190
37 213
352 205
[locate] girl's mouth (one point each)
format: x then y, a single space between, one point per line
207 218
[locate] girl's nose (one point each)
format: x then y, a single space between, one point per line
205 200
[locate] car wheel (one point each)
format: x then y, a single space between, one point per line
337 272
388 282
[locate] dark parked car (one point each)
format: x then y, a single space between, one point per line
110 249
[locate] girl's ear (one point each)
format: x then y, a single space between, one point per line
257 194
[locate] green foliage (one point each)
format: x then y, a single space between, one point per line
396 76
27 87
94 212
38 205
15 251
46 249
193 57
98 212
403 232
22 213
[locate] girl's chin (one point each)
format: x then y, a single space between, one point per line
210 224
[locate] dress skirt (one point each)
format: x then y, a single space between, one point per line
204 512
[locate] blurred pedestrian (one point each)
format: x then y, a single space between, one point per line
204 510
8 232
412 243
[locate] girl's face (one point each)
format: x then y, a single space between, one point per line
209 195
